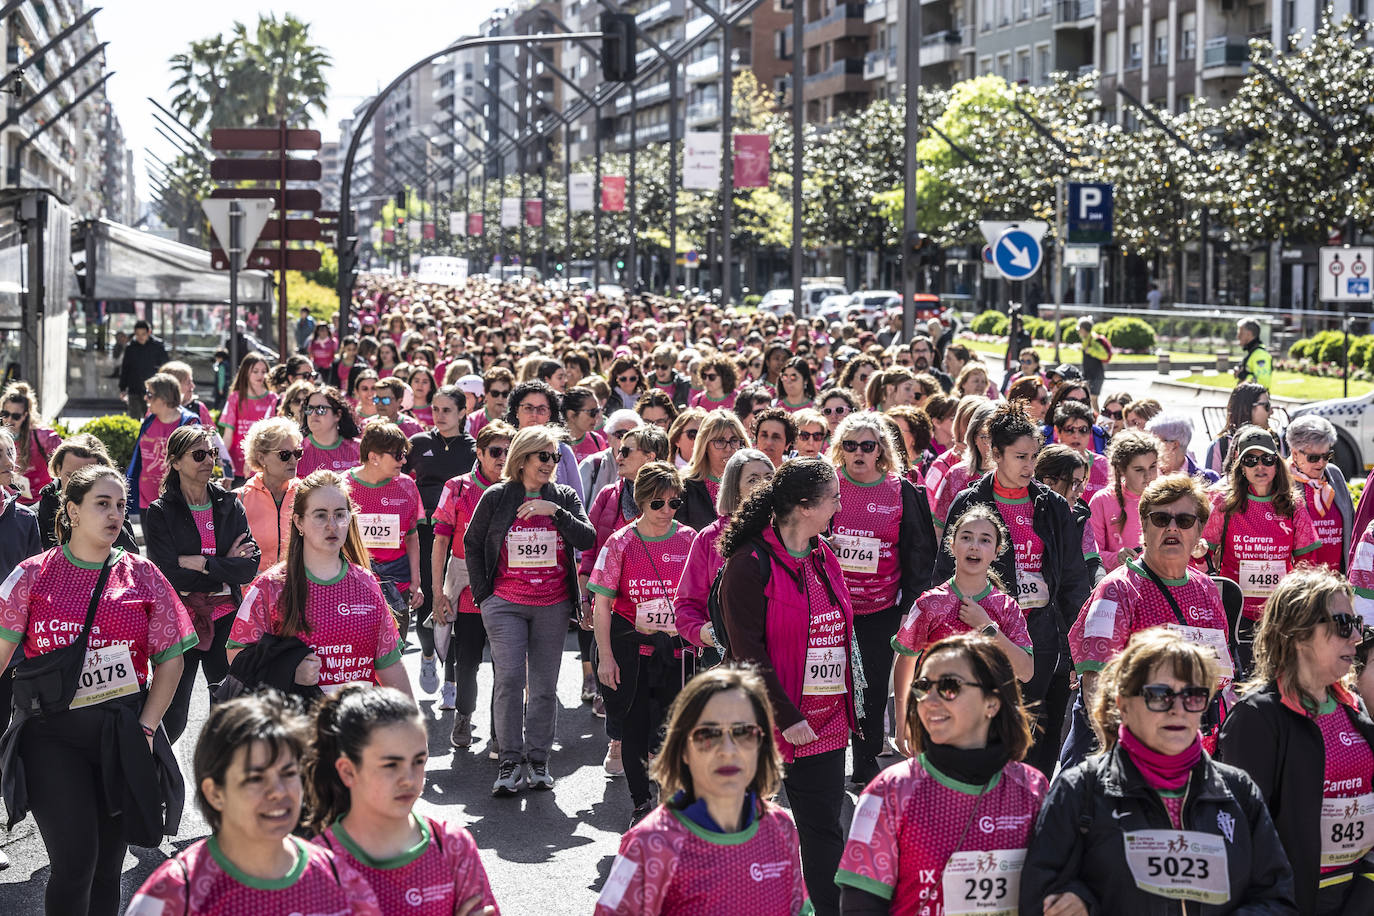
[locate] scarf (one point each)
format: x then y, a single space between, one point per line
1161 771
1324 496
975 766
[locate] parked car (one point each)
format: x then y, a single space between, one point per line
865 307
779 301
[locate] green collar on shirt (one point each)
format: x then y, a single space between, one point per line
204 508
949 782
396 861
978 597
343 570
372 486
1140 568
258 397
262 884
82 564
859 483
719 839
672 530
328 448
1259 499
1326 707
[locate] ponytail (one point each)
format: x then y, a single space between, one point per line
797 483
344 724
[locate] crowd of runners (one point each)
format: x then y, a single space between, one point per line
1067 667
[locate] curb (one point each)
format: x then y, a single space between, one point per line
1200 389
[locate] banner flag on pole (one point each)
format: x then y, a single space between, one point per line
580 192
701 160
751 160
510 212
612 193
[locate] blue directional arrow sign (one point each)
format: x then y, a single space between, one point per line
1017 254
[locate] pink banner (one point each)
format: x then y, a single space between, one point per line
751 160
428 231
474 224
534 213
612 193
389 236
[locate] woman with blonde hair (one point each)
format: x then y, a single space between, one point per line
720 436
272 451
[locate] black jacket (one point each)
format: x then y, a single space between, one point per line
698 508
141 362
1282 751
19 536
491 521
680 388
1078 846
269 663
433 461
170 531
48 500
1063 565
1082 512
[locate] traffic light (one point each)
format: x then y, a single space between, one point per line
618 47
620 264
558 267
400 220
401 199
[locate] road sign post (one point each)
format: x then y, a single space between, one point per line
236 224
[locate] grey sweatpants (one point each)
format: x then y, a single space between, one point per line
525 638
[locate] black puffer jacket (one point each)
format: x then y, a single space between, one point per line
1078 845
491 522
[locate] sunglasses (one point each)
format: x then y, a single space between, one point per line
200 454
497 451
834 411
305 375
1265 404
547 457
709 376
383 401
617 433
1184 520
590 411
868 446
1268 460
499 393
691 434
675 504
947 686
318 410
746 735
626 451
1076 430
813 437
1320 456
1159 698
627 379
721 445
1346 624
285 454
1114 414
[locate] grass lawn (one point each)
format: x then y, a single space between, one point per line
1070 353
1290 385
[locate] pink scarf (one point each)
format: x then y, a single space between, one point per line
1161 771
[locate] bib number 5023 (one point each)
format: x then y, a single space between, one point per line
1178 867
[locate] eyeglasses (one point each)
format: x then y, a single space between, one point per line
734 442
499 393
675 504
318 410
1267 405
497 451
199 455
813 437
626 451
617 433
691 434
948 686
1268 460
1159 698
547 457
1076 430
746 735
835 411
286 454
383 401
709 376
1184 520
1346 624
1319 457
1114 414
868 446
627 379
534 408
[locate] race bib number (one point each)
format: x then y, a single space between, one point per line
857 554
106 674
532 548
1347 829
656 616
1260 577
1179 864
987 883
1212 639
380 530
825 668
1031 590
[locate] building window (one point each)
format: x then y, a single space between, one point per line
1135 38
1004 66
1024 9
1023 66
1043 65
1187 36
1159 34
989 13
985 66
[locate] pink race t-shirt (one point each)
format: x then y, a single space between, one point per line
702 400
432 878
634 571
1098 475
319 883
44 600
539 576
951 485
451 517
152 454
588 445
1362 574
340 457
1018 513
1348 774
1329 528
322 352
423 414
1127 601
204 517
865 534
1261 546
935 615
387 513
910 818
1109 534
350 625
240 413
670 866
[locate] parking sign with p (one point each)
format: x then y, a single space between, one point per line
1090 213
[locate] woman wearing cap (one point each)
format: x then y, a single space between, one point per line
640 658
331 434
1158 588
519 554
884 538
1311 453
720 436
1259 527
1154 824
1248 405
1307 743
910 847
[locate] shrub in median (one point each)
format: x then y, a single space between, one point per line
118 432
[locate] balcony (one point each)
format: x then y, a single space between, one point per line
662 12
650 133
840 78
844 21
875 65
1074 14
1223 58
875 11
705 110
651 96
940 48
704 69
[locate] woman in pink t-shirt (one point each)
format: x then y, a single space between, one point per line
1114 512
366 771
249 401
322 348
331 434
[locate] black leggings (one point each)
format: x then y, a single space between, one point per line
815 793
1048 695
213 662
84 841
422 632
874 633
465 646
640 729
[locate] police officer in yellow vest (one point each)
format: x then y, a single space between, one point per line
1257 364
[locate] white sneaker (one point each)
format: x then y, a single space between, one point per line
614 765
429 673
448 696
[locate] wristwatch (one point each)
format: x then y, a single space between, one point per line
990 631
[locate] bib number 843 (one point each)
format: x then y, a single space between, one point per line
1352 832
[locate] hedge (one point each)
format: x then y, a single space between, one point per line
1124 332
118 432
1127 332
990 322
